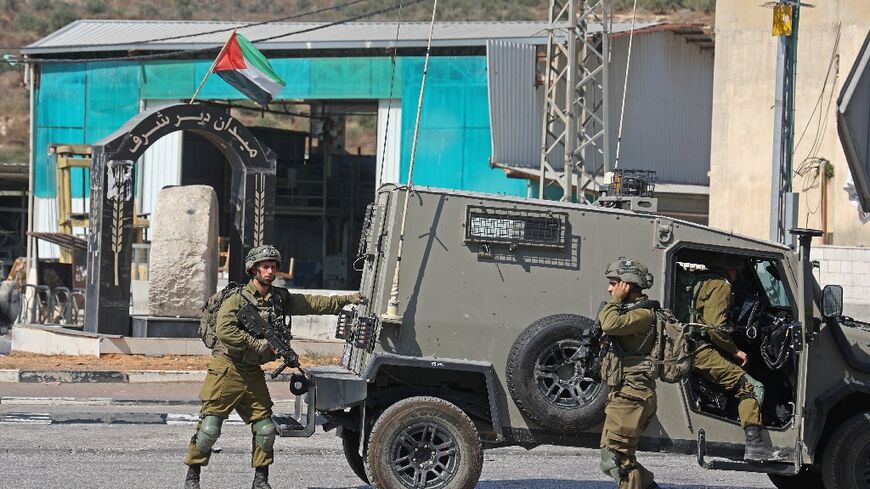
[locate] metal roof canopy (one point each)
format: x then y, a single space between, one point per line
103 35
853 123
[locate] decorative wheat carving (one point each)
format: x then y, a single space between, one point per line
259 209
119 190
117 234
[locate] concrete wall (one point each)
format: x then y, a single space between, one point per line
743 97
849 267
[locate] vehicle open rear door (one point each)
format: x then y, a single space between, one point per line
853 124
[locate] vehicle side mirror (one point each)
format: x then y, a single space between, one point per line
832 301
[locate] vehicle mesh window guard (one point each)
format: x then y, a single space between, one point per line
517 227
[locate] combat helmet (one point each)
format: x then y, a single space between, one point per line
631 271
261 253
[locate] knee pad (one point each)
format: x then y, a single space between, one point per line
208 433
264 434
757 388
610 464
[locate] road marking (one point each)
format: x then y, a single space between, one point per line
177 419
25 418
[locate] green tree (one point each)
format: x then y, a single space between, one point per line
96 6
25 22
63 14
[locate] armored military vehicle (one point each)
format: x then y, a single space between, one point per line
497 298
486 335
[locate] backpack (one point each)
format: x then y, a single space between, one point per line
674 348
208 321
670 359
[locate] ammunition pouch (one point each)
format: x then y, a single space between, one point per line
611 368
614 366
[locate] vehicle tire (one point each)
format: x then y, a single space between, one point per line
846 460
350 445
550 374
805 479
424 443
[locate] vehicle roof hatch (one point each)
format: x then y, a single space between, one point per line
853 123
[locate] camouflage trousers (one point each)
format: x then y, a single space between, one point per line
718 370
227 388
630 407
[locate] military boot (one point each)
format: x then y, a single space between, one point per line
261 478
191 480
757 448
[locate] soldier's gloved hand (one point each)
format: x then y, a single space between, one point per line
263 345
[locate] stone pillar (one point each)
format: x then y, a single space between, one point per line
184 251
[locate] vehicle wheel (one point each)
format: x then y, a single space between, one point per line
550 374
424 443
350 444
846 461
805 479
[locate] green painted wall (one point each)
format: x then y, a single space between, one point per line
82 103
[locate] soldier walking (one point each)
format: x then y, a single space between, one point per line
712 300
628 318
235 380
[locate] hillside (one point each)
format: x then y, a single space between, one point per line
24 21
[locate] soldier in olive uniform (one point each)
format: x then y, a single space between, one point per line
712 300
628 318
235 380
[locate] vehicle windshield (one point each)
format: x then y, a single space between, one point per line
771 281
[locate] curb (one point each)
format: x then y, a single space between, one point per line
113 418
9 375
93 401
109 376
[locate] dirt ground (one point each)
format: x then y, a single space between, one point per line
32 361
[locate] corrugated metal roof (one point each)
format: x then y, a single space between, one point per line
104 35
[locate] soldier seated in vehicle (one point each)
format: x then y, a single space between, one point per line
629 319
718 359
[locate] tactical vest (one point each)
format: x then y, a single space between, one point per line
664 353
617 362
271 311
687 289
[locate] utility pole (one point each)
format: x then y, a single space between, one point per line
575 126
783 201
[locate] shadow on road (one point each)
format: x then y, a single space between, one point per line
546 483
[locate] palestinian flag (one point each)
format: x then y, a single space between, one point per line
245 68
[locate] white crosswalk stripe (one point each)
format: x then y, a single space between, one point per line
25 418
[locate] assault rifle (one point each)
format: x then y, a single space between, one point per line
277 336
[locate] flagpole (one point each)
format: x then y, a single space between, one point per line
213 64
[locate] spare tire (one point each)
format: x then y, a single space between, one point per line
550 374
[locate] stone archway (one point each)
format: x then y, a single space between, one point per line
109 248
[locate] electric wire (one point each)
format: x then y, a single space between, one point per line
812 166
250 24
227 29
180 53
390 98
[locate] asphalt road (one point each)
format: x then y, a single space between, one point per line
79 456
